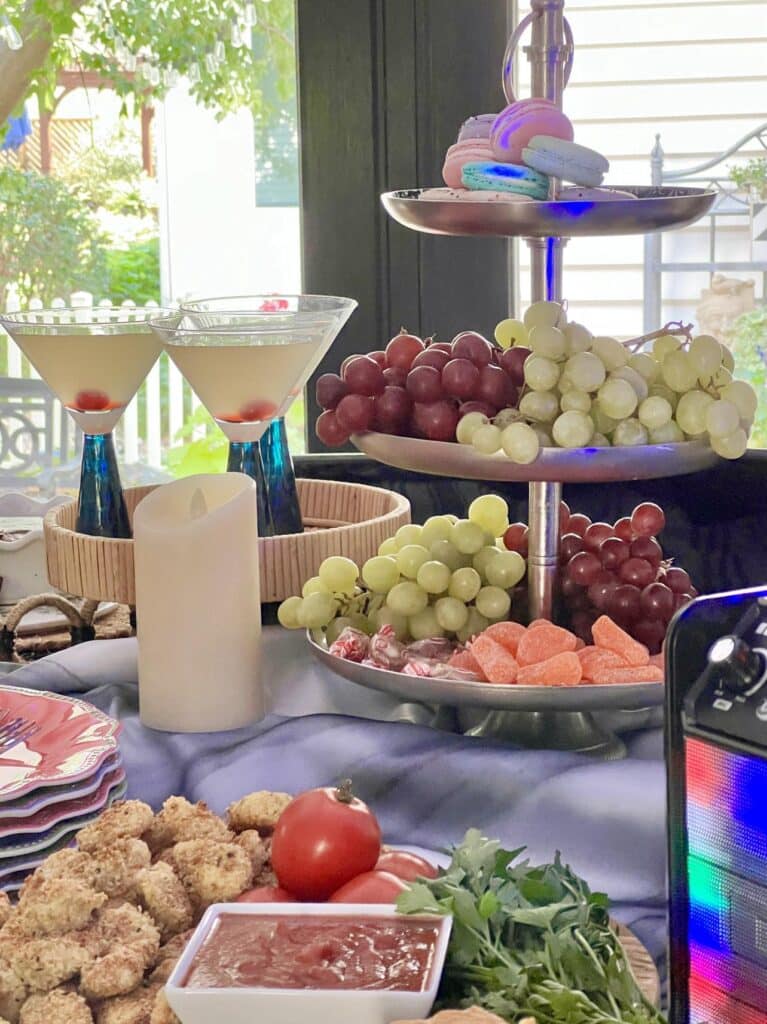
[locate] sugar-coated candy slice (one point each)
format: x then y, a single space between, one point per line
628 674
593 658
507 634
497 664
538 622
659 661
562 670
543 642
466 661
611 637
579 644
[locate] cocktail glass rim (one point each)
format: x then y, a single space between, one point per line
82 319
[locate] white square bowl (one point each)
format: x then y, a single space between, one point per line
297 1006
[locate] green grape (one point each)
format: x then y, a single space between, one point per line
691 411
678 371
629 432
407 598
635 379
617 398
565 384
434 577
575 401
545 439
728 359
664 345
545 314
573 429
451 613
411 558
339 575
287 613
730 446
654 412
317 610
521 443
450 516
541 374
539 406
464 584
599 441
386 617
662 391
506 570
468 425
336 628
586 371
380 573
361 622
467 537
388 547
669 433
722 378
706 355
722 418
483 558
579 338
435 528
603 423
409 534
487 439
506 417
493 603
611 352
445 552
510 332
491 513
548 342
743 396
424 625
644 363
476 623
313 586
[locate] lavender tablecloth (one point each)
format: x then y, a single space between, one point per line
427 786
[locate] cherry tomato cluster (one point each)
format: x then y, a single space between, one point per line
326 847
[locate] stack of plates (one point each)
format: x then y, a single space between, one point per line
60 778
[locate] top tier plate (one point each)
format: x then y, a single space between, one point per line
654 209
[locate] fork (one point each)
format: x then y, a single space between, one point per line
18 730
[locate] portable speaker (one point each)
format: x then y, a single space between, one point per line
716 757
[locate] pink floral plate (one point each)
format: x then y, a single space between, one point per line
49 816
72 739
32 803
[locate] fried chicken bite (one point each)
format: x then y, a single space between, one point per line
179 821
212 872
13 993
258 811
124 942
116 868
127 819
57 906
168 956
6 907
114 974
43 964
165 899
132 1008
161 1011
56 1007
255 847
65 863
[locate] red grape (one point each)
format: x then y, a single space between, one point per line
329 390
600 591
657 602
495 387
637 572
683 599
355 413
677 580
346 362
569 545
613 552
623 529
647 548
569 589
647 519
330 431
470 345
460 378
581 625
364 376
392 411
650 633
402 349
564 517
515 538
380 357
595 534
436 420
424 384
431 357
486 410
622 604
440 346
512 360
395 376
584 568
578 524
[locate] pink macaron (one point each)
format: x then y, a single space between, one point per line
478 127
470 151
522 121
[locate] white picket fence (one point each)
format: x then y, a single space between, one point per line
138 442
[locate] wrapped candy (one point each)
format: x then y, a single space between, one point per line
351 644
385 650
428 668
436 648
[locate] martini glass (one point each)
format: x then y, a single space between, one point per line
94 360
247 358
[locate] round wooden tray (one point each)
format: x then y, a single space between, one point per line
339 518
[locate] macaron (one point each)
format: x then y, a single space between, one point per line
465 195
522 121
499 177
442 195
477 127
576 194
461 153
566 160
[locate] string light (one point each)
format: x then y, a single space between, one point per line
211 63
237 37
219 51
154 75
194 73
249 15
11 35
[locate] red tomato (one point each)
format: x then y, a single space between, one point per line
370 887
407 866
266 894
322 840
91 401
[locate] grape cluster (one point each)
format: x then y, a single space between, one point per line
419 389
450 577
585 391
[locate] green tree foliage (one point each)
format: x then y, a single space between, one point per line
134 272
749 348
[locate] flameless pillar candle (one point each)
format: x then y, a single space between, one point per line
198 606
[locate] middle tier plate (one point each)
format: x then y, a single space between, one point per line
566 465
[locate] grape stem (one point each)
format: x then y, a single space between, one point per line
675 327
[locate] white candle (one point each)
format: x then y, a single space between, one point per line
198 607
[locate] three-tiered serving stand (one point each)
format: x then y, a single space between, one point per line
557 717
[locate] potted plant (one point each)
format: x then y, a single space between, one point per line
751 178
749 349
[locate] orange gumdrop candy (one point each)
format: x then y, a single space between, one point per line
467 661
507 634
611 637
593 658
542 642
628 674
538 622
498 665
562 670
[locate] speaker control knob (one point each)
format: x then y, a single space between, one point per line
738 666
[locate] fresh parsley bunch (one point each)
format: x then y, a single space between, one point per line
528 941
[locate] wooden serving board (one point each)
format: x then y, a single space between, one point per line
642 964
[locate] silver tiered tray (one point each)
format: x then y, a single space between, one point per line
654 208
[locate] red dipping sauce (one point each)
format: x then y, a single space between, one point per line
293 952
